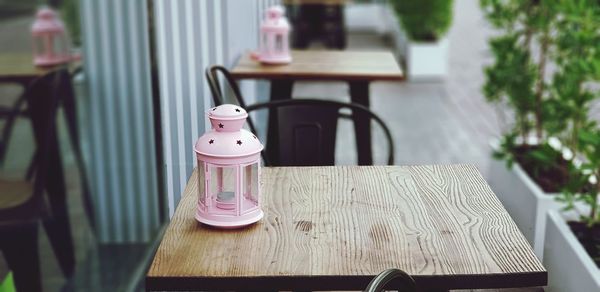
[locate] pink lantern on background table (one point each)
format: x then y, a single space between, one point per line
228 170
274 37
50 44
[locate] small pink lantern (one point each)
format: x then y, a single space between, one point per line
274 37
50 44
228 171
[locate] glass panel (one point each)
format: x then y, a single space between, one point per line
270 43
250 187
222 187
38 46
265 42
48 47
279 43
201 185
60 46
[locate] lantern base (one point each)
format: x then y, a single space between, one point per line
229 222
275 60
49 62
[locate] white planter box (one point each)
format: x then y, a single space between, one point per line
423 60
524 200
569 266
427 60
365 17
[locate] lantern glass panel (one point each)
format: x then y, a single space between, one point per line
222 187
265 42
38 45
60 46
201 185
250 187
279 43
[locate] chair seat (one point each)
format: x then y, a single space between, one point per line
14 193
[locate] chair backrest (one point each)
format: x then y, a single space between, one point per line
212 76
307 130
403 281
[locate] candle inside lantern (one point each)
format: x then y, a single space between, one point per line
225 200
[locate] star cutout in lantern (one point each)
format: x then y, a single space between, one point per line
211 141
253 136
214 109
239 142
237 110
220 126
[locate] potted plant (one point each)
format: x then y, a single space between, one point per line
425 24
572 239
545 112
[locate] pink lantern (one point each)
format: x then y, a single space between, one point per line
228 170
274 37
50 44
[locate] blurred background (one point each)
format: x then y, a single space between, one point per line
140 97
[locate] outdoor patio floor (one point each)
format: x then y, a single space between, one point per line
432 122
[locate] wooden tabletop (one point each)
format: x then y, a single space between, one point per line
18 67
324 65
335 228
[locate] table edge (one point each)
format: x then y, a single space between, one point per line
304 76
347 282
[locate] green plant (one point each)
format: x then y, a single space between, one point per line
424 20
70 12
516 78
577 58
583 185
536 33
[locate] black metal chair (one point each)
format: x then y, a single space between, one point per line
22 204
402 281
307 130
9 115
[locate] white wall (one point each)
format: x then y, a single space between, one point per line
118 132
191 35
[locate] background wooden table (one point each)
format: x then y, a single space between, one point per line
336 228
356 68
19 68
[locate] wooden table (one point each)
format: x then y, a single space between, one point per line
359 69
335 228
19 68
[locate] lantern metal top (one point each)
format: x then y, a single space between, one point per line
227 139
275 20
227 112
47 21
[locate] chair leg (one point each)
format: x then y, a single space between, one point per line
359 93
58 226
20 249
31 167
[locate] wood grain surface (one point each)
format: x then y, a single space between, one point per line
14 193
324 65
18 67
335 228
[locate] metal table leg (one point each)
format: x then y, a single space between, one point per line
359 93
280 90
